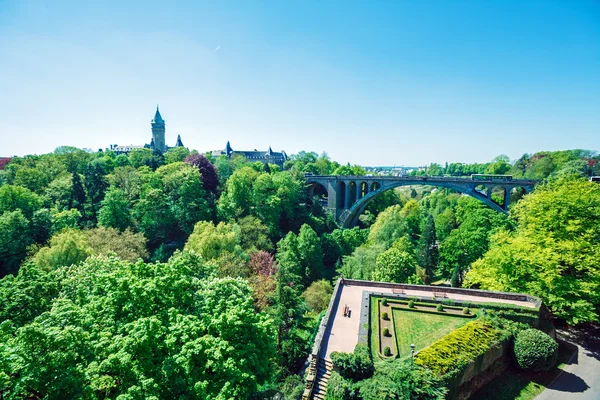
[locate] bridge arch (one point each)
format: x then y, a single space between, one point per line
317 189
347 196
349 217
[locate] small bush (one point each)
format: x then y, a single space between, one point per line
466 310
384 302
387 352
440 307
386 332
535 350
385 316
354 366
338 388
411 304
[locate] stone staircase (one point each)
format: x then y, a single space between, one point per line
324 368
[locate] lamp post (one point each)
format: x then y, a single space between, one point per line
412 357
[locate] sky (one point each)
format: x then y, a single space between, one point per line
369 82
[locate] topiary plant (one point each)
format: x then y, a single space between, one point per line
385 302
386 332
411 304
535 350
440 307
387 352
385 316
466 311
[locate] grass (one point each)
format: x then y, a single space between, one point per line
422 329
515 384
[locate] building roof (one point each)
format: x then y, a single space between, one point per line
157 117
179 143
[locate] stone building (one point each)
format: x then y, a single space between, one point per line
157 142
266 157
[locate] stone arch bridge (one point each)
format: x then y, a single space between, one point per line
347 196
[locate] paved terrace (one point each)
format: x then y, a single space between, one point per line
342 333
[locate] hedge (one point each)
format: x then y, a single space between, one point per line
455 350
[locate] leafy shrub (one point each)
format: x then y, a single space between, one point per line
385 302
535 350
411 304
400 380
386 332
387 352
385 316
440 307
466 310
339 388
457 349
354 366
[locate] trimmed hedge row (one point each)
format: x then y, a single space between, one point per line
434 311
450 354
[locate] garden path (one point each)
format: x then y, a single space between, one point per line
580 379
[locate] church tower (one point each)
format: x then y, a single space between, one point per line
158 132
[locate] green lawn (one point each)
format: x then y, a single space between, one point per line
515 384
374 328
422 329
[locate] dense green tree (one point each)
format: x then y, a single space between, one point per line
428 248
129 180
186 197
470 240
60 192
554 251
355 366
176 154
254 234
126 245
311 253
499 165
210 240
396 264
154 216
14 198
115 211
401 380
78 193
41 225
26 295
66 248
119 330
389 226
317 295
95 186
68 219
15 236
361 264
236 201
289 307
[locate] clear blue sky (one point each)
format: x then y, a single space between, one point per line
372 83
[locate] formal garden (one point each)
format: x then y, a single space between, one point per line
398 324
449 349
